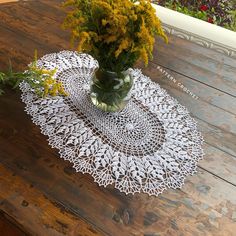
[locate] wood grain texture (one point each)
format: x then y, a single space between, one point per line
220 158
203 196
203 109
35 212
33 28
7 227
218 138
7 1
199 63
205 93
45 195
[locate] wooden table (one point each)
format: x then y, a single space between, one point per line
42 195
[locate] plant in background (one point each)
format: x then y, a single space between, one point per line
115 32
220 12
232 26
41 81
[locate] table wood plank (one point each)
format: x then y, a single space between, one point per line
216 137
35 213
216 156
205 93
9 228
205 206
19 49
49 9
200 108
108 208
199 63
201 201
31 27
219 163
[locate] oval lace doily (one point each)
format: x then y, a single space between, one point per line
151 145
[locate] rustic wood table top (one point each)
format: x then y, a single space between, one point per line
42 195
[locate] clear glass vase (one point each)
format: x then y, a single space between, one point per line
110 91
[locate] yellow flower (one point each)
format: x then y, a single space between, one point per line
125 43
84 36
112 29
144 55
104 22
110 38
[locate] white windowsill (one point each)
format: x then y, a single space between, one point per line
198 31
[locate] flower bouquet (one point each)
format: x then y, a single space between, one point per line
117 33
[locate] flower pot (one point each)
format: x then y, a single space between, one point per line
110 91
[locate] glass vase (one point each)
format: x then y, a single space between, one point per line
110 91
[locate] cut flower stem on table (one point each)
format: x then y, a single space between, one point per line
42 81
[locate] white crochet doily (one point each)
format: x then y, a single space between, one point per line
151 145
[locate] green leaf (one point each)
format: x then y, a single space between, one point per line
17 83
2 77
1 92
